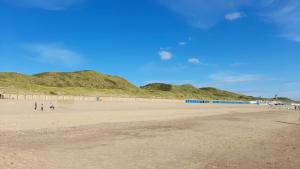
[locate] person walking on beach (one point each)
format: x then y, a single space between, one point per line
35 105
42 107
52 107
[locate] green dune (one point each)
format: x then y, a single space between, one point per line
189 91
91 83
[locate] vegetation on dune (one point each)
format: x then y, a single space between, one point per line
70 83
158 86
94 83
15 81
221 94
86 79
189 91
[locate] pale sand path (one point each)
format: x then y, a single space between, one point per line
148 136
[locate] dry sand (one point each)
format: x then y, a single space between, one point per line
141 135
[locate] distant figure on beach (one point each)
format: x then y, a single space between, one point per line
42 107
52 107
35 105
299 109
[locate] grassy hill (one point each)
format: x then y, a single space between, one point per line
72 83
189 91
94 83
86 79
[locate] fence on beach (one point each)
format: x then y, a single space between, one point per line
68 98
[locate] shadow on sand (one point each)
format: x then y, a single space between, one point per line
287 123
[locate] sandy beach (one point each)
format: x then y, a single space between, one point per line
145 135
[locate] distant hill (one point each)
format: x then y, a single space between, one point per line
189 91
94 83
86 79
81 82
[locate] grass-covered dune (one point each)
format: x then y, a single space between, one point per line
189 91
93 83
68 83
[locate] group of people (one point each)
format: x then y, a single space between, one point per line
52 107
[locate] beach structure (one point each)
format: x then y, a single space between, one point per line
219 102
1 94
196 101
228 102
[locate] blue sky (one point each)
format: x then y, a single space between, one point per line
247 46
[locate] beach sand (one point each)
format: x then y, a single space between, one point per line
142 135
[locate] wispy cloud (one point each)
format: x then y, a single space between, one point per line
165 55
250 91
205 14
292 83
234 16
183 43
194 61
53 54
230 78
202 13
45 4
286 15
237 64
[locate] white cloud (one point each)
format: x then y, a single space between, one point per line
53 54
229 77
233 16
194 61
165 55
46 4
182 43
